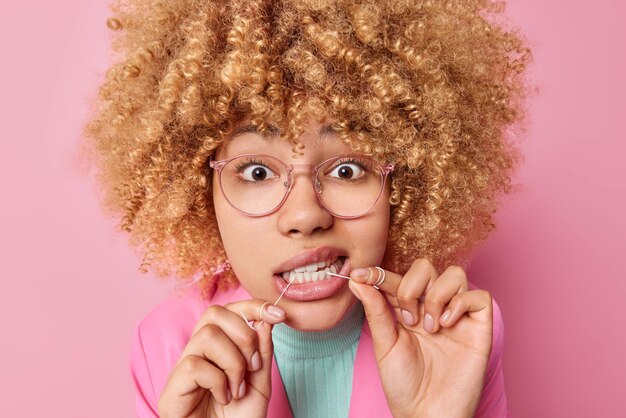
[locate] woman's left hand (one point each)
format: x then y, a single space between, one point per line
429 366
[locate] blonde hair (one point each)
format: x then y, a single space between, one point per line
432 86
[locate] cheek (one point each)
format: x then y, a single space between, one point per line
240 236
369 235
231 226
380 220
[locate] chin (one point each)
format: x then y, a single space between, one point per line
318 315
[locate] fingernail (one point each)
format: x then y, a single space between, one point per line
408 317
256 361
275 311
428 323
445 316
242 389
360 273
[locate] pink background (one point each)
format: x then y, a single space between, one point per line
71 291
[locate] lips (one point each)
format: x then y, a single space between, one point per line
320 289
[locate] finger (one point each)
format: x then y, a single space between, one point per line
452 282
381 323
195 372
477 303
416 282
251 308
232 319
372 275
258 310
261 379
236 329
212 343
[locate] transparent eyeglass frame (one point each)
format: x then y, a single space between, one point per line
384 171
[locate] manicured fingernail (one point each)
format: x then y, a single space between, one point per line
256 361
242 389
445 316
408 317
360 273
428 323
275 311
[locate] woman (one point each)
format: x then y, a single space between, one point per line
243 142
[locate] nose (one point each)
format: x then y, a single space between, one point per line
302 214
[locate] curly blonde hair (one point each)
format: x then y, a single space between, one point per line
432 86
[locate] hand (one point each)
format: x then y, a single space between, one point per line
225 368
429 366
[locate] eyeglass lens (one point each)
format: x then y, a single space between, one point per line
346 186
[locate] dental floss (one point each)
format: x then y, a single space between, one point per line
381 278
338 275
281 295
246 319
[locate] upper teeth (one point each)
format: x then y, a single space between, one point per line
309 273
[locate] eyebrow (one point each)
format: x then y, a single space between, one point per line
325 131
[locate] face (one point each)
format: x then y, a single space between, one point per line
299 233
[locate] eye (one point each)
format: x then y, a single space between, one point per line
256 173
347 171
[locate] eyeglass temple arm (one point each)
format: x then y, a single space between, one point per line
217 165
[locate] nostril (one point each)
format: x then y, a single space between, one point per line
316 229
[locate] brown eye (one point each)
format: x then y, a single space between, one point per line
347 171
256 172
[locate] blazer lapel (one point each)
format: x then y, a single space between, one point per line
368 398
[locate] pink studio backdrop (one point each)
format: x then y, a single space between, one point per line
72 295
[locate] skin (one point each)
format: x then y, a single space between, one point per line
300 224
225 368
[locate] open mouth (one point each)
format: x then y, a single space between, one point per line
313 272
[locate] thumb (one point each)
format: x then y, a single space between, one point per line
381 323
262 378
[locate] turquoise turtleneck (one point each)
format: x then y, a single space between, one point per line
316 367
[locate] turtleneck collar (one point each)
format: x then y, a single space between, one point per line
297 344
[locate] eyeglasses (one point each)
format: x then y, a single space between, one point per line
257 185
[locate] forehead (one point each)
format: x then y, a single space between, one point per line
317 139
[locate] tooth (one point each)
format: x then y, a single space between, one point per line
300 269
307 276
339 263
333 268
292 276
315 276
321 264
286 275
311 267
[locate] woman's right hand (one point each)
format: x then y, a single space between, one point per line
225 368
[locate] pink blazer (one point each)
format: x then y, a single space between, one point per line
162 335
